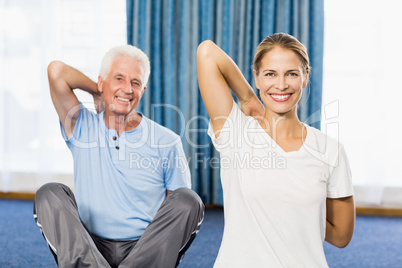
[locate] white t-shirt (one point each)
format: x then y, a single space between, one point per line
275 201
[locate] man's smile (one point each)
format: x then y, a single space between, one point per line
123 99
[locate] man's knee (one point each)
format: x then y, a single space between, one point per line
51 192
187 200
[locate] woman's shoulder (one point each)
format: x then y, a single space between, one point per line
322 143
322 137
238 118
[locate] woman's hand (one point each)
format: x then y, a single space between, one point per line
253 107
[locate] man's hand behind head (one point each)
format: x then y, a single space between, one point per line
99 102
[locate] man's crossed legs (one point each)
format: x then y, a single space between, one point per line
163 243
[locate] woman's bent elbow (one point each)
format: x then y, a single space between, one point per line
343 244
204 49
340 242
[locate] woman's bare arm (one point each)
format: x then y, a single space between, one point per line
340 221
217 75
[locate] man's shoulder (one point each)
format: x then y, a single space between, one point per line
87 111
161 134
87 120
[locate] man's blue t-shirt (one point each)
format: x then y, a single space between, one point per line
120 182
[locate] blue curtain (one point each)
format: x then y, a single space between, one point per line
169 31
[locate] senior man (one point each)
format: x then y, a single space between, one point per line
132 205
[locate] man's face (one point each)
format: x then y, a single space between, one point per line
123 87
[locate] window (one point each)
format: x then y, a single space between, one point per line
362 59
33 33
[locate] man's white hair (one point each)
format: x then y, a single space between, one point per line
129 51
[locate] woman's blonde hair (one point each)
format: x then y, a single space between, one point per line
285 41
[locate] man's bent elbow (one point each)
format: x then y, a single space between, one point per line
55 69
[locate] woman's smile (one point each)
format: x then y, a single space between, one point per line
280 97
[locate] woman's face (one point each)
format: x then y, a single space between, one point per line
280 80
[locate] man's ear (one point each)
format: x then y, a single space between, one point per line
100 83
143 90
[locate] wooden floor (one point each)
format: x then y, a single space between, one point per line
19 195
360 210
379 211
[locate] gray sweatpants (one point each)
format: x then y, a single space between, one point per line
162 244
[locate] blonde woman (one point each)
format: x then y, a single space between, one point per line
287 186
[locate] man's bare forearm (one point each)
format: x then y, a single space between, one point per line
59 71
